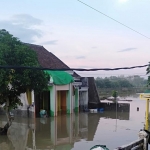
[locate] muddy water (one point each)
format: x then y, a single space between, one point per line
76 132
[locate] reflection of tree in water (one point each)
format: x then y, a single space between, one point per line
18 133
5 143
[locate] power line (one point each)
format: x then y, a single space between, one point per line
67 69
114 74
113 19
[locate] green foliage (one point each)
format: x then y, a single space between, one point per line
113 82
148 71
13 82
137 81
114 94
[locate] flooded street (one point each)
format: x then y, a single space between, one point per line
76 131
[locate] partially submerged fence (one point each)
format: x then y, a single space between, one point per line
140 144
136 145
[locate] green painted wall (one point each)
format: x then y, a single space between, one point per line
52 101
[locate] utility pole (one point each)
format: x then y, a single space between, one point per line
146 96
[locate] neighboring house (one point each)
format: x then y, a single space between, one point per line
60 97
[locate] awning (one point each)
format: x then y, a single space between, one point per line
60 77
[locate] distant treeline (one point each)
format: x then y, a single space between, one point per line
120 82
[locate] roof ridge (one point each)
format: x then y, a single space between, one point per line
33 44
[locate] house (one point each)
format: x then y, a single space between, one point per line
61 97
79 93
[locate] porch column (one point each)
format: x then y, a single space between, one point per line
86 95
76 100
53 102
33 102
69 100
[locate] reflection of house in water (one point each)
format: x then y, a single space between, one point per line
57 133
93 120
116 115
83 126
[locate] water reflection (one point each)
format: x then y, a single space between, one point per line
54 133
5 143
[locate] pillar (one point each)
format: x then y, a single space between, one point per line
69 100
59 100
147 115
53 101
76 100
86 95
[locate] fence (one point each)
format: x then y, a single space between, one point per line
141 144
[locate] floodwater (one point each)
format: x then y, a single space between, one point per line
77 131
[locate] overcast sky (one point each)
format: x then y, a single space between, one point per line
82 37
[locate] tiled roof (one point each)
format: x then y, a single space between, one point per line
48 59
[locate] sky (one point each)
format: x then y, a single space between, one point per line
82 37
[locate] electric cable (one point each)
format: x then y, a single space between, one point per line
113 19
67 69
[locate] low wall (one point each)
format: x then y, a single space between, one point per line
121 107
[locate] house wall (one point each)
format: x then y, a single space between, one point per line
27 110
83 100
62 87
59 98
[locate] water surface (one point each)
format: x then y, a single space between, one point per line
77 131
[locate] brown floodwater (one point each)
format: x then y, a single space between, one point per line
77 131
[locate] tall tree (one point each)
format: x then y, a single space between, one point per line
13 82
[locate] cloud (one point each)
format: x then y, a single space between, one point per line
80 57
127 49
23 27
94 47
25 20
52 42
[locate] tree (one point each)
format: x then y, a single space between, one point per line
147 72
115 94
13 82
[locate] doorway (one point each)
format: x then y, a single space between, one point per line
61 101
